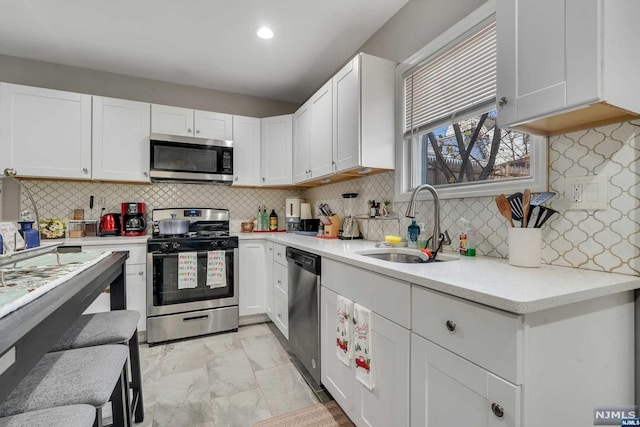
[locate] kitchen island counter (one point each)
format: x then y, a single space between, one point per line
485 280
30 331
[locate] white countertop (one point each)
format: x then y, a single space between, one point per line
489 281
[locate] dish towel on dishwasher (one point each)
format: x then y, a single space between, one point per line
187 270
362 345
344 311
216 269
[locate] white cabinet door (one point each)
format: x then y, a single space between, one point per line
338 378
137 292
120 139
208 124
268 305
281 298
45 133
171 120
276 145
253 275
346 126
388 403
541 71
447 390
246 151
301 142
320 156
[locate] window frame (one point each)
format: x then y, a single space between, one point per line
538 181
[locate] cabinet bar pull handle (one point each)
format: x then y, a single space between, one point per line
498 410
451 326
187 319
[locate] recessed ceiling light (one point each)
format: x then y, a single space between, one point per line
264 33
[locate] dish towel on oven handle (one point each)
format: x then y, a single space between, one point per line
216 269
344 312
362 345
187 270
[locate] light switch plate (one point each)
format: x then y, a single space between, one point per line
586 192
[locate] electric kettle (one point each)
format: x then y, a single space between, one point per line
109 225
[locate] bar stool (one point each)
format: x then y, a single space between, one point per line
92 376
63 416
111 327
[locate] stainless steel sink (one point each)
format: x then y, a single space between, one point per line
406 256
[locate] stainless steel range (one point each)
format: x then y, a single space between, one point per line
192 279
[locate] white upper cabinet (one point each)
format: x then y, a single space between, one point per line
212 125
313 136
573 71
363 114
301 142
120 139
320 156
187 122
246 151
45 133
276 146
349 123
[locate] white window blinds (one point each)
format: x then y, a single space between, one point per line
459 80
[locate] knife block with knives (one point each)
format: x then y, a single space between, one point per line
332 229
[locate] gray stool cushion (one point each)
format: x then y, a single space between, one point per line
67 416
111 327
84 375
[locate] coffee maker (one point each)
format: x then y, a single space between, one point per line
133 219
292 214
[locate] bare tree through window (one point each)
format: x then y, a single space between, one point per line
474 149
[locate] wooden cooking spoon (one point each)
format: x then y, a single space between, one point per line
526 205
505 208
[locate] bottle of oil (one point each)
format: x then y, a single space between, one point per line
273 220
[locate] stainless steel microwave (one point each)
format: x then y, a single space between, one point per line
182 158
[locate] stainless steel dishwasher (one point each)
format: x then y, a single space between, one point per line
304 310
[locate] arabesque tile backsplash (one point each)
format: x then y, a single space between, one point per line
605 240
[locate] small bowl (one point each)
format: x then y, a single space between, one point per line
247 227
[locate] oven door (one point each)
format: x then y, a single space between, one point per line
191 159
165 296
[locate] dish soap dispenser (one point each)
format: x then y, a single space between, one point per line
467 238
414 231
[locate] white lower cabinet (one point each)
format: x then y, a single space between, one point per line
268 303
136 280
281 297
447 390
388 403
253 274
474 365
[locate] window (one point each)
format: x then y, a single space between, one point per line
449 136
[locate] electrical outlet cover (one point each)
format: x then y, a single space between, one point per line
587 192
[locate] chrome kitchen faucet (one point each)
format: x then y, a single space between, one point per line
411 213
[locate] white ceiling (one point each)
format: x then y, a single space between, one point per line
205 43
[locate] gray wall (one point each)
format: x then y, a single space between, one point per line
415 25
74 79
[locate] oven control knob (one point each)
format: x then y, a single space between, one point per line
175 245
220 244
164 246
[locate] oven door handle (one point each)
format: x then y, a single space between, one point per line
188 319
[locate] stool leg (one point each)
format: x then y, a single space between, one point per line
120 402
136 377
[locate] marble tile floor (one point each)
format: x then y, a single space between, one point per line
233 379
